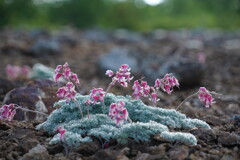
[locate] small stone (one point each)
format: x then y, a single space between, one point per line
227 157
122 157
38 96
88 149
214 120
125 150
214 151
5 86
107 154
227 139
123 35
55 149
207 135
28 144
45 47
160 149
142 156
184 69
178 153
116 57
39 153
4 126
96 36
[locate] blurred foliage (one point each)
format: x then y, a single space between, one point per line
131 14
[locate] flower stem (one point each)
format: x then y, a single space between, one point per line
25 109
108 89
79 106
186 100
129 119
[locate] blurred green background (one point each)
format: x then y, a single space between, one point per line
130 14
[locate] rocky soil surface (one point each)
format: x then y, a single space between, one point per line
206 58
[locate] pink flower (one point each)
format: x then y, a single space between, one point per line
75 78
96 96
58 68
62 131
14 72
118 112
57 76
122 75
7 112
154 98
201 57
167 83
109 73
65 71
140 90
205 97
25 70
67 92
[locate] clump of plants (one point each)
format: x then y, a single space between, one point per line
106 116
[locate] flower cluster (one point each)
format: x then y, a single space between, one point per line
144 90
140 89
7 112
122 76
65 71
205 97
167 83
118 112
96 96
61 131
14 72
67 92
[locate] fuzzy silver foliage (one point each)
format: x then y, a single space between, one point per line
179 137
71 139
40 71
147 121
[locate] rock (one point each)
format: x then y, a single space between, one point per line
5 86
40 71
96 35
108 155
189 73
38 95
229 140
122 35
194 44
39 33
28 144
207 135
37 153
4 126
227 157
88 149
116 57
235 119
178 153
45 47
214 120
159 34
150 66
55 149
160 149
142 156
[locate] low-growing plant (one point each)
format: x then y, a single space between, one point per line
106 116
118 117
